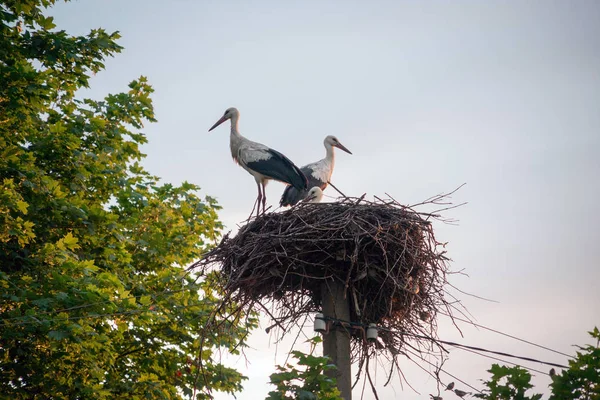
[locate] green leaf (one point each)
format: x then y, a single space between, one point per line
22 206
306 395
46 22
145 300
58 335
70 242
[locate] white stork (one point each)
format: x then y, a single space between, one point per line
318 173
262 162
314 195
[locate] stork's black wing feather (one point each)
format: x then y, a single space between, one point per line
280 168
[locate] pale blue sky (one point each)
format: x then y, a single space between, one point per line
503 95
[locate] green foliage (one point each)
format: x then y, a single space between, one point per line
582 379
309 383
93 301
508 383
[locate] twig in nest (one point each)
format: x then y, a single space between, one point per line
337 190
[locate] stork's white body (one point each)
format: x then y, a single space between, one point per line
323 169
246 151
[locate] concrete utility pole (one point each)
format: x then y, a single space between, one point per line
336 343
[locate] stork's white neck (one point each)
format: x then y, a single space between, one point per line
330 156
235 138
234 125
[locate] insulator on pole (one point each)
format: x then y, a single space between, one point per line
320 324
372 332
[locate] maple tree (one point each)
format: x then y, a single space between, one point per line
94 302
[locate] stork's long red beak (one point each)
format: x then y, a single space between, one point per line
219 122
342 147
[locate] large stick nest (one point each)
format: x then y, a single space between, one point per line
384 254
381 254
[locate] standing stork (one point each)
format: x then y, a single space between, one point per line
318 173
262 162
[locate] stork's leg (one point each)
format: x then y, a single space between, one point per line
256 202
259 199
264 198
